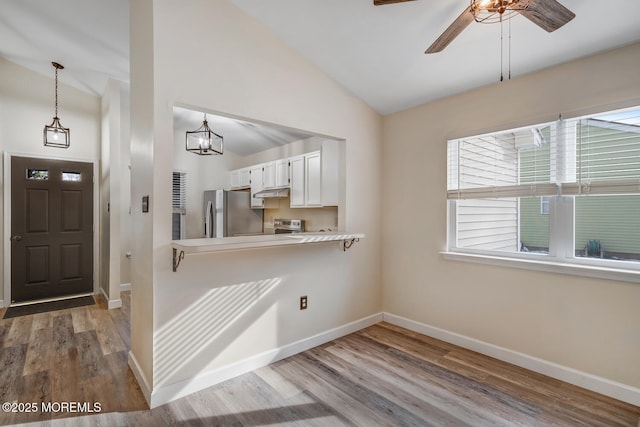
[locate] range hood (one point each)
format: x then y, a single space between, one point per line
277 193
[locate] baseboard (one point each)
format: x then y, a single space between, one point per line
125 287
591 382
175 391
114 303
140 377
111 303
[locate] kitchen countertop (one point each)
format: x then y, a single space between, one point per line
191 246
223 244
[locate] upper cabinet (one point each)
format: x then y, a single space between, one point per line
240 178
282 173
256 186
314 177
269 176
312 180
276 174
296 173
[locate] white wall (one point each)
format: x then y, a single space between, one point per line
27 104
586 324
114 184
250 74
125 183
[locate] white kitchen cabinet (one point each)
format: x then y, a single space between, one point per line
256 185
296 173
276 174
240 178
306 180
282 173
269 175
313 179
234 179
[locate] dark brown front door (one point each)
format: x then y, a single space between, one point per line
51 228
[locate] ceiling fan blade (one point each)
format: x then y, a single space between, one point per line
452 31
547 14
383 2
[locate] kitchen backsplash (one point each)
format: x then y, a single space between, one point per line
316 219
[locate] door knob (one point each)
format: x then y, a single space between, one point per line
16 238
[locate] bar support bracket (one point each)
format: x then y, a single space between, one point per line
177 257
347 243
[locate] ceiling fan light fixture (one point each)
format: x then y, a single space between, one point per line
204 141
56 135
492 11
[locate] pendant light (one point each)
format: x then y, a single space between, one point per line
55 135
204 141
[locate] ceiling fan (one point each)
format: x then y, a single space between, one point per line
547 14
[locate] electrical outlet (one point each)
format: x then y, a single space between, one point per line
303 302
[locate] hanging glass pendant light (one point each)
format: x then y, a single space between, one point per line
204 141
55 135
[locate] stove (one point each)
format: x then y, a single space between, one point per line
283 226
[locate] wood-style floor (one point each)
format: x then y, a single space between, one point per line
382 375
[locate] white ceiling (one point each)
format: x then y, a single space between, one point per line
374 52
240 137
377 51
89 37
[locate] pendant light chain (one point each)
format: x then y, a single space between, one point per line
509 49
56 91
501 48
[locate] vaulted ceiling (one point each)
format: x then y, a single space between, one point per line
375 52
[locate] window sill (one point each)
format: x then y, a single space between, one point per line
599 272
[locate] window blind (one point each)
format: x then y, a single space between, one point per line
591 155
179 190
515 163
607 155
179 205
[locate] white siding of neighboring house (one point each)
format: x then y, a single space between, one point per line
488 224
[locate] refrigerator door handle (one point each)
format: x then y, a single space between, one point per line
208 220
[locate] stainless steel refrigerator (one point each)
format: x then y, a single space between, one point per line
229 213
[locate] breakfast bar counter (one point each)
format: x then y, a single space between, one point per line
223 244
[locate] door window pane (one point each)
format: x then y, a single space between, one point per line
38 174
72 176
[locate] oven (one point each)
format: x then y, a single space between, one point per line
283 226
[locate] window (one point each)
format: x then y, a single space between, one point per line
72 176
544 205
38 174
566 191
179 205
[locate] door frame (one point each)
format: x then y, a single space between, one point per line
6 302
